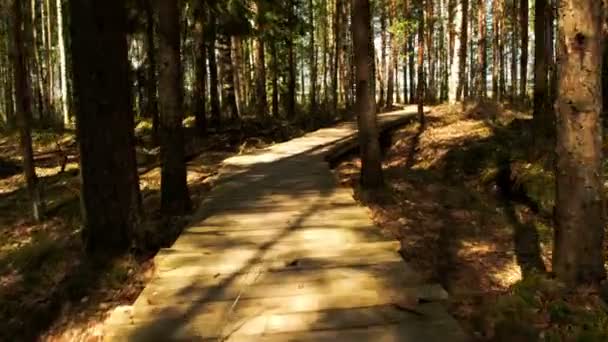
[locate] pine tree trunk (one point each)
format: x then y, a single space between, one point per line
421 75
111 205
227 77
291 79
496 53
63 83
462 58
24 109
456 32
275 80
175 199
514 46
260 65
482 53
541 82
579 212
151 88
337 46
371 168
200 65
523 78
214 96
390 87
313 59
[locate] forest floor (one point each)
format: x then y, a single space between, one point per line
471 204
49 289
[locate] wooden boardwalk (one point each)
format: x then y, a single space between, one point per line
279 252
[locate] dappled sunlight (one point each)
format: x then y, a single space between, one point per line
435 144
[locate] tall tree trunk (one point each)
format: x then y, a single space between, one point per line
383 43
227 76
579 212
214 96
237 64
429 45
514 46
200 66
291 80
371 168
175 199
50 79
411 68
275 80
523 23
151 88
24 109
390 87
111 206
337 46
482 53
421 76
313 59
63 83
260 63
456 34
541 82
496 53
462 58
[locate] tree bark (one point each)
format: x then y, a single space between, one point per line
541 81
482 53
337 45
227 75
421 76
580 218
462 59
214 96
200 65
175 199
371 168
313 59
151 88
260 64
523 23
110 198
24 109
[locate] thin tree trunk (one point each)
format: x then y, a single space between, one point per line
524 21
63 83
275 80
496 53
579 212
337 45
24 109
200 66
214 96
514 47
482 53
260 64
421 83
291 80
541 81
371 168
462 59
383 43
313 59
175 199
151 88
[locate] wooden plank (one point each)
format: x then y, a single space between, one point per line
316 325
193 267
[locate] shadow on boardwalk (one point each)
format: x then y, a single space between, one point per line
278 219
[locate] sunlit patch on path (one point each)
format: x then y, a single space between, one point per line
279 252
